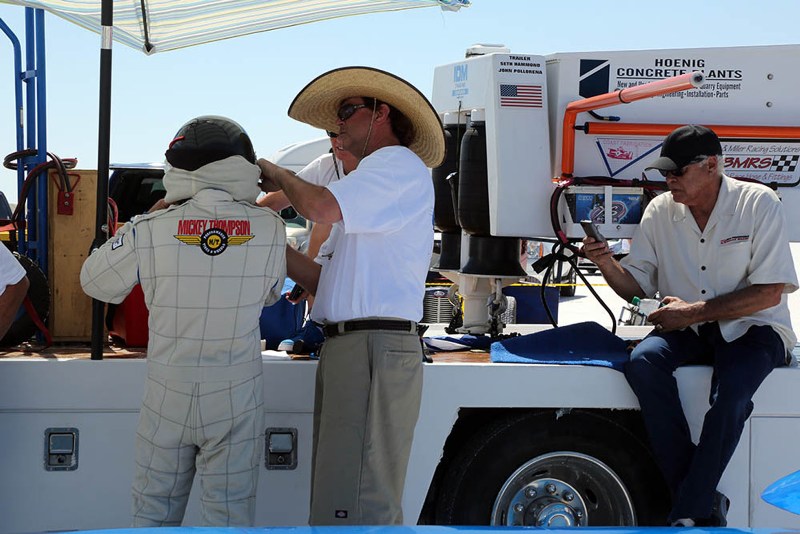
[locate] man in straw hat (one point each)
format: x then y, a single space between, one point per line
369 289
716 250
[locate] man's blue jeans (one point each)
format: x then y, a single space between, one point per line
693 471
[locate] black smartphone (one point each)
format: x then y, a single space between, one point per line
295 293
591 230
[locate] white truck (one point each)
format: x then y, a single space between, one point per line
496 444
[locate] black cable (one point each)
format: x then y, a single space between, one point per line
549 261
55 162
9 162
606 118
600 300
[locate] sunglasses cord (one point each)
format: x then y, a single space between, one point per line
369 132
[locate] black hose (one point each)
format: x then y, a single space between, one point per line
549 261
61 166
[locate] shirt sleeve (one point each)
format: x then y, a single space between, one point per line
276 266
11 271
771 260
319 171
111 271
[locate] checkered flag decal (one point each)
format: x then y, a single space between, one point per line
785 163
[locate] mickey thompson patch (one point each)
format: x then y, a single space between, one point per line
213 236
213 241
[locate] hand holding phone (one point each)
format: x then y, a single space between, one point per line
591 230
295 293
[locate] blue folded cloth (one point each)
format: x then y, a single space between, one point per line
585 343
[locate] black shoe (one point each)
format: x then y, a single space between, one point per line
307 341
719 510
718 518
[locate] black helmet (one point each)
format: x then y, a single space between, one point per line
206 139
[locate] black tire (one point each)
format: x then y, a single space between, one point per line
23 328
572 279
606 468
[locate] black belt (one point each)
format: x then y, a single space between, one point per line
396 325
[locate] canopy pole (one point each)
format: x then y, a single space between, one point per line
103 150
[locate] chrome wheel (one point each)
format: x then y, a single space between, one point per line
562 489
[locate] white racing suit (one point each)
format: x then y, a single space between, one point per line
207 267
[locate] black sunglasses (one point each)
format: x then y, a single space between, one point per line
332 135
677 173
347 110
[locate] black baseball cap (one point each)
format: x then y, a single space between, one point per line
686 145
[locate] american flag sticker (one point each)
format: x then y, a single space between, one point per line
520 96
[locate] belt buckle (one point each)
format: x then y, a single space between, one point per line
333 329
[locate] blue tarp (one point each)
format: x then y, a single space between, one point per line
585 343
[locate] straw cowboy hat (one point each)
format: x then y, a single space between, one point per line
316 104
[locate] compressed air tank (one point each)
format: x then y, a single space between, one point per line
445 186
473 183
487 255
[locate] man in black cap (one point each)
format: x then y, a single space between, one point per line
715 250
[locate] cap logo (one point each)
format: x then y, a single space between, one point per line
179 138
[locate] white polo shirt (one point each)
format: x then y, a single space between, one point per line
744 243
11 270
322 171
381 248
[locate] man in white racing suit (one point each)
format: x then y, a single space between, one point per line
207 265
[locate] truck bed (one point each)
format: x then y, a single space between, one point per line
83 352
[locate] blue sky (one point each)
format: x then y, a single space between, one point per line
253 79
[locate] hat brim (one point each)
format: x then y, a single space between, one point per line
662 164
317 103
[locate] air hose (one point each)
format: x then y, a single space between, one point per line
54 162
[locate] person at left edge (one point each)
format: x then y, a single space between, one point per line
13 288
207 265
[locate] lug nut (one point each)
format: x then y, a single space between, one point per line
519 508
551 488
568 496
530 493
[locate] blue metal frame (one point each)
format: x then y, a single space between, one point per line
34 77
33 240
17 51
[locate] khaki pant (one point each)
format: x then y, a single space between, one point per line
368 391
